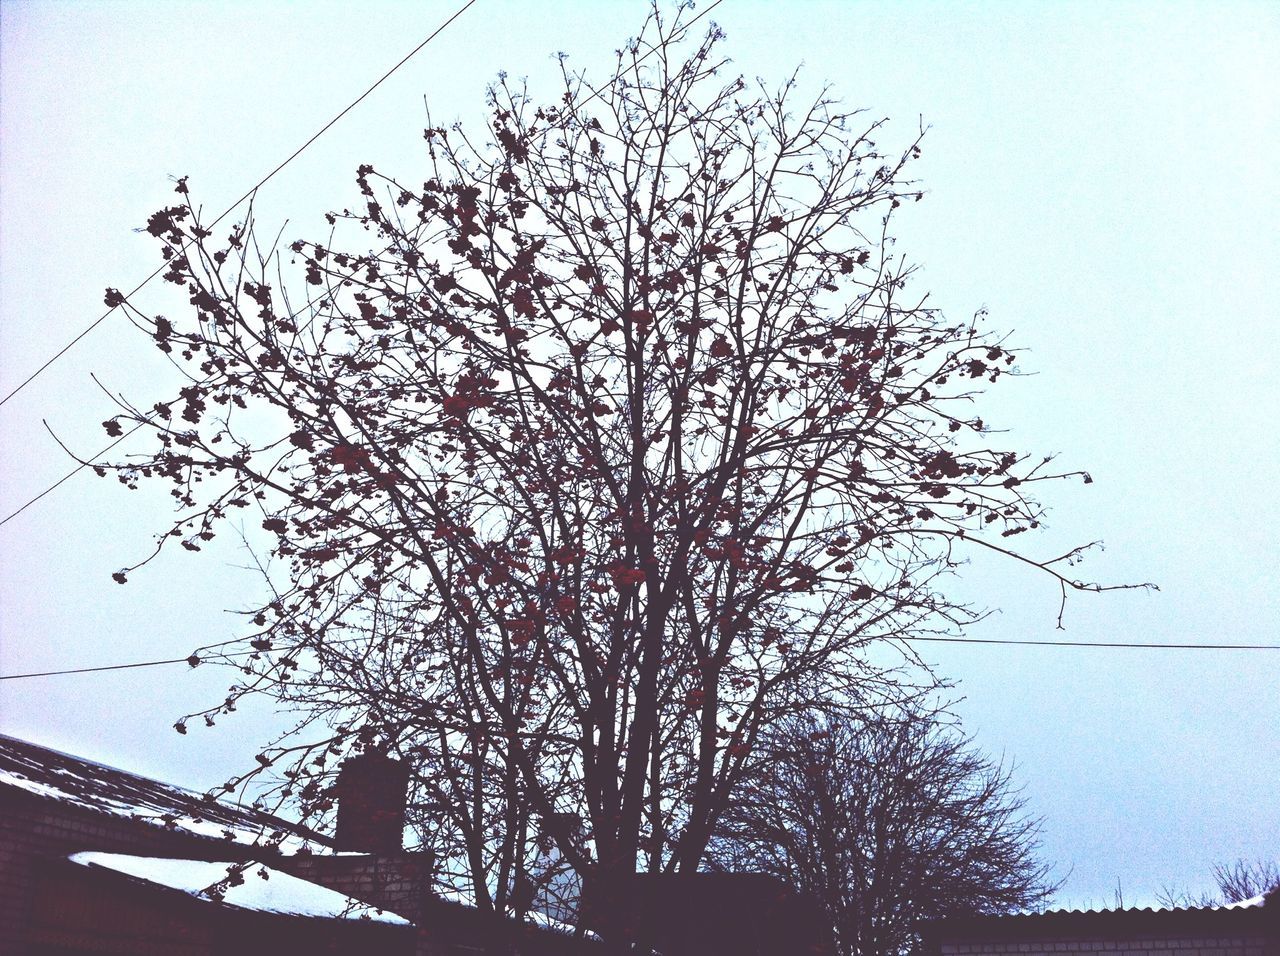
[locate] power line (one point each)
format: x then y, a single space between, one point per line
89 670
98 321
294 155
191 660
104 315
1181 647
75 471
954 640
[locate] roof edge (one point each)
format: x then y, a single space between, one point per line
1254 920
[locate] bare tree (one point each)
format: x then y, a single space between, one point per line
1244 879
888 821
1237 882
625 438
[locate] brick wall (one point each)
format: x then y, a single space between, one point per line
400 884
34 830
1244 945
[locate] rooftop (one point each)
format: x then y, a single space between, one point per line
54 775
1259 914
249 886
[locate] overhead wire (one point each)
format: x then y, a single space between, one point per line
294 155
235 205
1200 647
195 659
88 463
90 670
248 194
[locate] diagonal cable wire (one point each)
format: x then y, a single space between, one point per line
68 346
235 205
74 471
90 670
1180 647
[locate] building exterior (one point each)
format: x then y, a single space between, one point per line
1248 928
95 859
98 860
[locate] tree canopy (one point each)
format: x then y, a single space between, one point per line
888 821
585 455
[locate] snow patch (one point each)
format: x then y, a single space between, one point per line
261 889
555 925
82 783
1245 904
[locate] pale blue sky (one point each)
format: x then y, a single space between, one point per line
1101 176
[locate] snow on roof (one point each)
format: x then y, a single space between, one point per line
260 888
1250 903
73 780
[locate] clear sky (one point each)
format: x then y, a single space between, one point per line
1101 176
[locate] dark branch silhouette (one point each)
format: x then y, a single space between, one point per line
584 457
888 822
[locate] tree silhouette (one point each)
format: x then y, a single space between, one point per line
888 822
623 437
1237 882
1246 879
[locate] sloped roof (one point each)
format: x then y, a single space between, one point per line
75 781
249 886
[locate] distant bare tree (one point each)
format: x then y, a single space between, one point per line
1238 881
888 822
1243 880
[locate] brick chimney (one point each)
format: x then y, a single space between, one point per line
372 790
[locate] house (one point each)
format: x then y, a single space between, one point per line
1248 928
94 859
